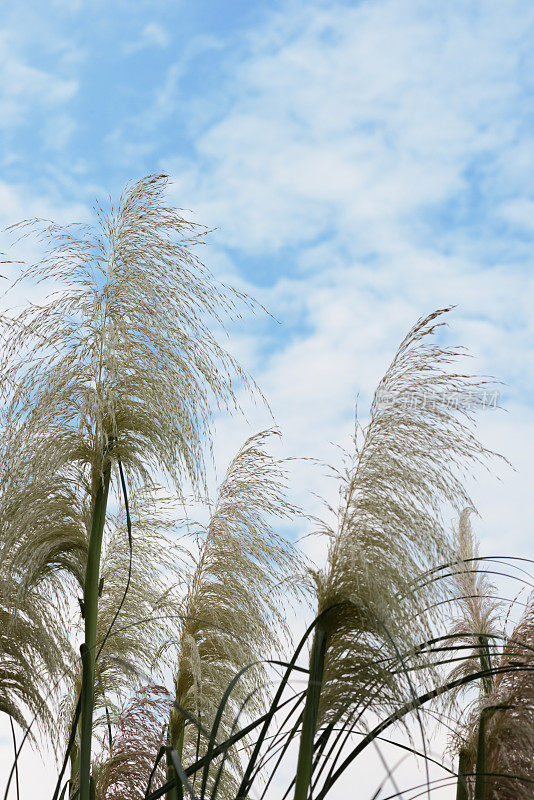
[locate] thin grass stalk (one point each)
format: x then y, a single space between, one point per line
345 731
71 754
289 738
25 737
212 742
223 761
485 663
487 682
311 708
161 752
15 750
176 792
481 772
265 719
180 772
90 601
397 715
461 786
74 770
318 750
480 775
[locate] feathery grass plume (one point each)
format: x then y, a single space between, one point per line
122 772
33 641
509 712
30 647
120 363
46 525
476 625
510 742
409 464
125 351
232 610
478 614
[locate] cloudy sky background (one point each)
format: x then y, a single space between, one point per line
362 164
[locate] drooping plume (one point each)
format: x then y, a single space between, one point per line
232 613
408 466
121 364
125 350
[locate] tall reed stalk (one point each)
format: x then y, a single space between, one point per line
90 607
406 466
311 711
232 620
504 765
121 363
476 623
461 785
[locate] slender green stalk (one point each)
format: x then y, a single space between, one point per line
487 681
309 720
481 767
177 791
461 786
90 602
74 769
485 663
480 779
16 760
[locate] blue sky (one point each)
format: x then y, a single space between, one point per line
387 141
362 162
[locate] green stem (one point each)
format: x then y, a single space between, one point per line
485 663
461 786
90 602
177 791
487 682
74 769
309 719
16 757
480 779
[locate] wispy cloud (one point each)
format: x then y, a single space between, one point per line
24 88
152 35
375 151
373 161
169 94
359 118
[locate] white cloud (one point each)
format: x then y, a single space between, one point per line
355 116
154 116
152 35
520 212
24 88
346 126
